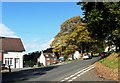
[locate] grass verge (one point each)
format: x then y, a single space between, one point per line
112 61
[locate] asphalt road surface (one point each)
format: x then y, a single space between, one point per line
73 71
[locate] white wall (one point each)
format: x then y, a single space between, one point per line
42 59
14 55
76 55
111 48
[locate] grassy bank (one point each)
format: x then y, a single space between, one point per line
108 67
112 61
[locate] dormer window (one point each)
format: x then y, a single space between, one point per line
47 55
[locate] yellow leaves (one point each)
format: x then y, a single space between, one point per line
117 33
71 22
72 33
71 48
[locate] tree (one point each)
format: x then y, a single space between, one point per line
31 58
102 20
72 36
61 40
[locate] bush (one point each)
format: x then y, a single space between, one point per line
38 64
95 54
29 63
65 57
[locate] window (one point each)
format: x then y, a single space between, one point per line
48 58
8 61
54 58
46 55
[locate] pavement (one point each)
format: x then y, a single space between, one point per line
56 73
15 70
27 68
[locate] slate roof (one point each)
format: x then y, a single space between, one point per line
11 44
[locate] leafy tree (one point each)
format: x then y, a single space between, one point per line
72 36
31 58
102 20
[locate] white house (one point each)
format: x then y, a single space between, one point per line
47 59
76 55
41 59
110 48
12 51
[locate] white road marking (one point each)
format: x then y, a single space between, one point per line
71 75
85 71
66 78
78 73
70 80
74 78
62 80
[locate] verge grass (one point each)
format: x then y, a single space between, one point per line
112 61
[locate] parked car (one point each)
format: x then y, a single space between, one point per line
61 59
87 56
103 54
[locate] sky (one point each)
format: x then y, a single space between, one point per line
36 23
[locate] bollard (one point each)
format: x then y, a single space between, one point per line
9 68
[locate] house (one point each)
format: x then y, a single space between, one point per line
70 57
110 48
11 52
47 59
76 55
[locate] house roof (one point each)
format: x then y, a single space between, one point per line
49 55
11 44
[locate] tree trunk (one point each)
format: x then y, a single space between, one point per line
81 49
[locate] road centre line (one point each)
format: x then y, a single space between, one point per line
77 73
66 78
74 78
86 71
82 73
83 70
70 80
62 80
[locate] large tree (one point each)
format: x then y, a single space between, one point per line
72 36
102 20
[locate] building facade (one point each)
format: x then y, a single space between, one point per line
12 51
47 59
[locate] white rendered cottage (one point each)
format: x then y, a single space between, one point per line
76 55
12 51
47 59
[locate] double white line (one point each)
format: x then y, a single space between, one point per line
78 74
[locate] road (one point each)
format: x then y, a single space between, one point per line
53 73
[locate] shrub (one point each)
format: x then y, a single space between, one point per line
65 57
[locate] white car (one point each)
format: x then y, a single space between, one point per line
86 56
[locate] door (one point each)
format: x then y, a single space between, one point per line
17 63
